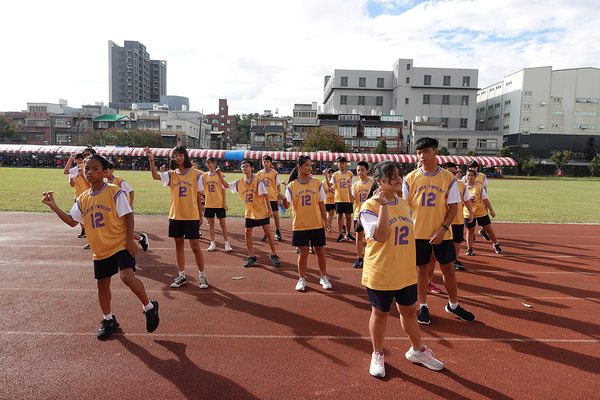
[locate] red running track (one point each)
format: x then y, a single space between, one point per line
257 338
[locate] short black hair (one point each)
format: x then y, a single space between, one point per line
110 165
211 159
364 164
340 159
267 157
473 163
100 158
449 165
247 161
426 142
80 155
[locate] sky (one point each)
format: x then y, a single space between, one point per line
272 54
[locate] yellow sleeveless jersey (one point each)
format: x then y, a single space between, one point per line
458 219
213 190
103 213
360 191
184 194
256 207
341 187
427 196
271 181
478 194
390 265
305 198
329 193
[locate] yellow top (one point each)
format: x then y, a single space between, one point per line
305 198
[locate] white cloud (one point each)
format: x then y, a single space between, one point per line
270 54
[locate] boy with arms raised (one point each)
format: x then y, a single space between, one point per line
109 219
215 202
343 206
358 193
270 178
433 196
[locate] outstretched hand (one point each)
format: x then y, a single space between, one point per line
48 199
379 196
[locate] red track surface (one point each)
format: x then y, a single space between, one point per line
258 338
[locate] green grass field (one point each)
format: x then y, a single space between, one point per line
560 200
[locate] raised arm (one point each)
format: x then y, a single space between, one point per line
152 166
48 200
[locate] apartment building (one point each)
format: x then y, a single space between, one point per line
223 121
269 132
304 119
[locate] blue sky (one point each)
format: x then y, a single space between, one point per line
269 54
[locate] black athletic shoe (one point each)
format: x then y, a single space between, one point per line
107 328
264 238
497 248
423 316
278 235
87 246
311 249
358 263
152 319
340 238
275 260
484 234
470 251
344 229
82 234
250 261
144 241
297 249
458 266
350 237
460 313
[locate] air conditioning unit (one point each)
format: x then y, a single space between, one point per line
541 126
583 126
543 103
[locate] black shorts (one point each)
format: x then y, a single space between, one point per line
275 206
253 223
482 221
188 229
444 252
458 233
382 299
315 237
343 208
211 212
329 207
109 266
358 227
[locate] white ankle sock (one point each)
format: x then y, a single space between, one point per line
148 306
108 316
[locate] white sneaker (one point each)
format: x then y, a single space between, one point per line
301 285
212 247
325 283
228 247
377 366
424 357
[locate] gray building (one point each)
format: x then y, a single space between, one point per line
132 76
444 95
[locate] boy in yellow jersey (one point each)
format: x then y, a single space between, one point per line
458 225
481 205
343 206
120 182
481 179
270 178
358 193
77 179
433 196
215 202
110 223
258 210
329 195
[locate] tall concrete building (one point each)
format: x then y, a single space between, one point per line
132 76
444 95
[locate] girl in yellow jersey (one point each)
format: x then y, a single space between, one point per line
76 179
481 205
215 202
329 195
110 223
185 214
309 217
358 193
390 271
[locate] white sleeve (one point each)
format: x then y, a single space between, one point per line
125 186
453 194
322 195
262 191
165 178
200 183
465 195
368 220
222 186
352 190
484 181
122 204
75 213
277 181
288 194
233 186
405 191
74 172
484 195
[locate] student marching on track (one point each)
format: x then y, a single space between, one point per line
186 209
481 179
343 205
270 178
215 202
307 195
389 271
77 180
358 193
110 222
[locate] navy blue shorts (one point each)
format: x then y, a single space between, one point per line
329 207
382 299
343 208
188 229
253 223
315 237
482 221
110 266
211 212
275 206
458 233
444 252
358 227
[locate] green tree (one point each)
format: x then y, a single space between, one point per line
472 153
590 148
242 127
443 151
504 152
116 137
594 166
528 167
381 147
324 139
561 158
7 127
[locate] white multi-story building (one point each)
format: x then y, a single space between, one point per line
543 110
444 95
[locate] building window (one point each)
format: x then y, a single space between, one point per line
228 121
362 82
487 143
586 113
446 99
496 117
526 119
466 81
361 100
558 99
558 112
527 106
528 93
379 101
555 125
427 80
344 82
408 67
343 100
465 100
379 82
426 98
406 100
463 122
407 79
446 81
458 143
444 122
507 114
222 116
490 107
497 105
506 127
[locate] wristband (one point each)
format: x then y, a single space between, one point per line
445 227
